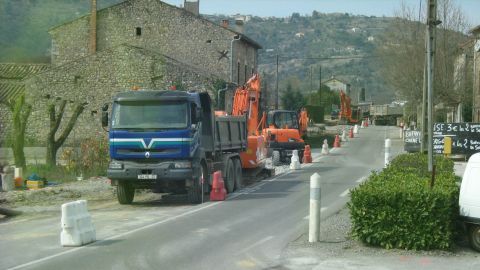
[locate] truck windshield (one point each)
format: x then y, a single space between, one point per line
150 115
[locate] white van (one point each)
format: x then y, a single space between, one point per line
470 200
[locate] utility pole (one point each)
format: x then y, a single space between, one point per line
311 80
432 23
276 87
423 119
320 86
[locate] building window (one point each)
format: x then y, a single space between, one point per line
138 31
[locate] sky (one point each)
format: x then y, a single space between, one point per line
283 8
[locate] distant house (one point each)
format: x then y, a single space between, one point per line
336 85
136 43
300 35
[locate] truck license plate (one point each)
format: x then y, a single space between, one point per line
147 176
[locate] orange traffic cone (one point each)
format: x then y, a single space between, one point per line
350 133
336 144
218 192
307 155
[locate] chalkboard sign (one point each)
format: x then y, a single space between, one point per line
465 137
412 140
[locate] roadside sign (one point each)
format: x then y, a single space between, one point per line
412 140
465 137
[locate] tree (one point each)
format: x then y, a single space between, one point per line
326 98
292 100
20 113
402 53
55 119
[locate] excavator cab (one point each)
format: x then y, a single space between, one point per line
283 135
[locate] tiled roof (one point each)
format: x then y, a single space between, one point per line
11 76
14 71
9 91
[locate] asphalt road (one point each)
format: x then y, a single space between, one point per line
247 231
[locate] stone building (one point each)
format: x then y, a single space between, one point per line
136 43
476 75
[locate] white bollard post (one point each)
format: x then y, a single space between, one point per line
388 145
344 136
355 129
295 161
315 208
363 124
325 147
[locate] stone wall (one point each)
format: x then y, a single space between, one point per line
96 78
5 120
159 27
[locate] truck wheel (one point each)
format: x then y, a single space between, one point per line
194 193
125 192
474 236
276 158
238 174
229 176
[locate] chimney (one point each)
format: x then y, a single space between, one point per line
92 46
225 23
239 25
192 6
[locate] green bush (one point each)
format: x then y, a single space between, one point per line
397 208
316 113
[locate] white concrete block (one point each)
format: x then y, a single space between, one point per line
77 225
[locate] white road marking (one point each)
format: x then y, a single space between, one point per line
362 179
345 193
232 196
266 239
13 222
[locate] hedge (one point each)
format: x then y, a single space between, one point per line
396 208
316 113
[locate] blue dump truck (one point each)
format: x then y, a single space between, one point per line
171 142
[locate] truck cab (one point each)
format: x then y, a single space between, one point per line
155 135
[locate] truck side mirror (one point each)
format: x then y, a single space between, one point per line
199 114
105 115
195 113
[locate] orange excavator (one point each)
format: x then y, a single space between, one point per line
246 101
345 115
279 132
284 132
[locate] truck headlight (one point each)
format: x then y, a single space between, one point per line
183 165
291 140
115 165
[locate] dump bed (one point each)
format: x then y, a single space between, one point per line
385 110
230 133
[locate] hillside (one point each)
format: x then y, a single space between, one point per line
24 25
301 42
